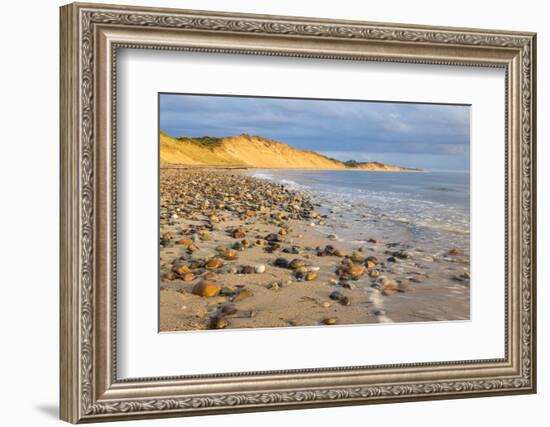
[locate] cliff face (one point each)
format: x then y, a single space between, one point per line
249 151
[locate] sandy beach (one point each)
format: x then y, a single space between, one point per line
241 252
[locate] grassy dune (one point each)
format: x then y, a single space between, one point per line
250 151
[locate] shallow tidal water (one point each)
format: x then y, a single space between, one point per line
429 211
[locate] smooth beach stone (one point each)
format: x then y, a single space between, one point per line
336 295
311 275
169 235
345 300
181 269
260 268
379 313
170 275
206 289
243 294
356 271
230 254
238 246
297 263
218 322
247 269
340 253
329 321
238 234
371 262
188 277
272 237
374 274
228 309
455 252
357 257
388 286
274 286
185 242
214 263
227 291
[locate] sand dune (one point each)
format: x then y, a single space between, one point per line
250 151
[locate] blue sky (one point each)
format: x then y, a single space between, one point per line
414 135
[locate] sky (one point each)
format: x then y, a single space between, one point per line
431 136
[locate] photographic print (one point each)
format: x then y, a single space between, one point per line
281 212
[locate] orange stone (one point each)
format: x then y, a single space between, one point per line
214 264
185 242
181 269
206 289
356 271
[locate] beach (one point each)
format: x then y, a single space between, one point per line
246 249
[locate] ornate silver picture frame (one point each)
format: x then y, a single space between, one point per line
91 35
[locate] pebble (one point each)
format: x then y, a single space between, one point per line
170 275
188 277
311 275
229 309
356 271
238 233
260 268
185 242
297 263
227 291
330 321
455 252
371 262
218 322
206 289
243 294
274 286
247 269
282 263
214 264
230 254
374 274
181 269
336 295
388 286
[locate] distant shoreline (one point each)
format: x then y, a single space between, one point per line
240 167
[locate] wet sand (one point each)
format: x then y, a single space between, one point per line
240 252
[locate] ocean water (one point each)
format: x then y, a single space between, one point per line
424 210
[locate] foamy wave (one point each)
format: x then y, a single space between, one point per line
292 185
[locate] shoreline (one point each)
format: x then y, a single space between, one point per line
234 237
242 167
